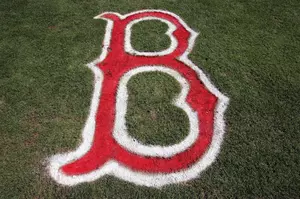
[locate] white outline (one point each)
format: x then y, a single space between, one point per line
118 170
120 131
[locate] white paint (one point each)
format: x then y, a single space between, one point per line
120 131
118 170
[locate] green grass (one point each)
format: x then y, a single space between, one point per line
250 50
151 116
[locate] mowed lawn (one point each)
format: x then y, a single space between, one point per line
249 49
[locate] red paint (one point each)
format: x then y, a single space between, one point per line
116 64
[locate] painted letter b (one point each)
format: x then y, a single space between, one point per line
107 147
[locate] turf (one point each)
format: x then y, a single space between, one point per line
152 118
250 49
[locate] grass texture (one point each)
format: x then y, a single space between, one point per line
250 50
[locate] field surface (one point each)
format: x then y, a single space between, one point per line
249 49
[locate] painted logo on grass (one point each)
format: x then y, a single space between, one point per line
107 147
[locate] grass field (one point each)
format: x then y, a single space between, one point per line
250 50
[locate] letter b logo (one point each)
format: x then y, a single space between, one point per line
107 147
